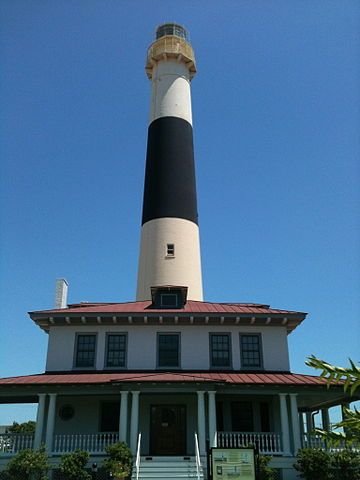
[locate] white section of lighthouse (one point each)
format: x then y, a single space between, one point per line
170 244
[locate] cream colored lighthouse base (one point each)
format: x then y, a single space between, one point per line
157 267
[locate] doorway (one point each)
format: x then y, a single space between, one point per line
168 430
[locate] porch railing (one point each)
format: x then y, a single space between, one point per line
197 457
11 443
313 440
268 443
138 457
94 443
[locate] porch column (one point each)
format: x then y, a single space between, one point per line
301 423
39 420
325 419
201 422
284 424
134 422
343 406
50 423
295 422
212 419
309 423
123 416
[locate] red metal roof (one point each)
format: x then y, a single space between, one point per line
191 306
217 377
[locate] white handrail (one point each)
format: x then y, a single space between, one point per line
137 463
197 457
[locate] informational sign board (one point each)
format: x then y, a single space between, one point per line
233 463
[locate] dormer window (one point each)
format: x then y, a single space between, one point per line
169 300
170 250
168 297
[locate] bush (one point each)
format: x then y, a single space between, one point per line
73 465
264 471
28 465
345 465
119 462
313 464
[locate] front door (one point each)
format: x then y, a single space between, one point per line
168 430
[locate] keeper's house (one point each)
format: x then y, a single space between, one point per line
169 373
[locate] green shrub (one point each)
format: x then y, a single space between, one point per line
28 465
120 460
264 471
345 465
313 464
73 465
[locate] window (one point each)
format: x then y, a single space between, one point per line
66 412
170 250
169 300
85 350
250 347
265 417
109 416
116 350
220 355
242 417
168 350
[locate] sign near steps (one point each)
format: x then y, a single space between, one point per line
233 463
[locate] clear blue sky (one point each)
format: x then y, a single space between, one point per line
276 125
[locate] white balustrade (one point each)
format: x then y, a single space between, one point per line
313 440
11 443
94 443
269 443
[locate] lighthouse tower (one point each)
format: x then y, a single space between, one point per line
170 245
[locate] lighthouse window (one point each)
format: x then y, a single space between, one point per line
170 250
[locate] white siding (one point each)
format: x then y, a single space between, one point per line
142 341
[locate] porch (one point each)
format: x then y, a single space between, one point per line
167 419
168 414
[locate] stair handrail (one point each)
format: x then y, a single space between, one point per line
197 457
137 462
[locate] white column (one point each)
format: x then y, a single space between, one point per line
325 419
295 422
309 423
39 420
212 419
50 423
301 423
201 422
343 415
284 424
134 422
123 416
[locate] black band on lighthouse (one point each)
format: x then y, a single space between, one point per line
170 188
